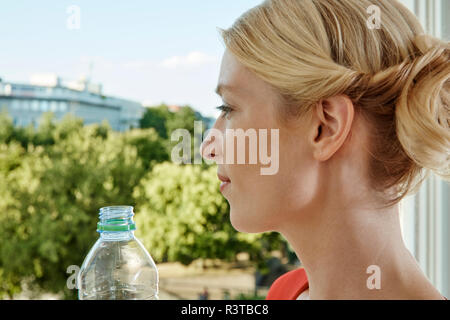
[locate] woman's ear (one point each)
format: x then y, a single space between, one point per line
333 121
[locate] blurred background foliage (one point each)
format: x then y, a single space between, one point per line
54 179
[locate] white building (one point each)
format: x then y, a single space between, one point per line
26 103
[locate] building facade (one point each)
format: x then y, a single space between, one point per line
26 103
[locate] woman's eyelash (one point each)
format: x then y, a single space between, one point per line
225 109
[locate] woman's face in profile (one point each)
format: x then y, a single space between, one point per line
260 202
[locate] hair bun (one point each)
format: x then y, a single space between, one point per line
424 43
423 107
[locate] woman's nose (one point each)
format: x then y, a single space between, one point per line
206 150
210 148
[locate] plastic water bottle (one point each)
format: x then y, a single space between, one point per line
117 267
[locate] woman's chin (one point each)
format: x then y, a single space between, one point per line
244 221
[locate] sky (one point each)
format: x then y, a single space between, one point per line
144 50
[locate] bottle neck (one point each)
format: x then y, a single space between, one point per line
116 222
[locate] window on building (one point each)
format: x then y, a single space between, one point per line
26 104
53 106
44 106
35 105
14 104
63 106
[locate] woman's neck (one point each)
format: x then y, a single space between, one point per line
342 250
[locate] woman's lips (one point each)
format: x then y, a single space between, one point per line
225 182
223 185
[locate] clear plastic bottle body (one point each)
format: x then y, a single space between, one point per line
118 267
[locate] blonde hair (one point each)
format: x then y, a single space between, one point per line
396 76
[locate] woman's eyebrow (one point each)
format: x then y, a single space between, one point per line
221 87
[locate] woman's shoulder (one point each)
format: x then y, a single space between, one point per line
288 286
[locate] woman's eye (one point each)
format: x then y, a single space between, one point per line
225 110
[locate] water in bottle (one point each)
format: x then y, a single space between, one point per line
117 267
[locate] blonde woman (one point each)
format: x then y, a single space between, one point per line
362 114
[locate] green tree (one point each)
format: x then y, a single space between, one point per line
44 132
165 122
150 147
156 118
182 119
50 198
6 127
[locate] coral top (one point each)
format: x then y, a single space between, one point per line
289 286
